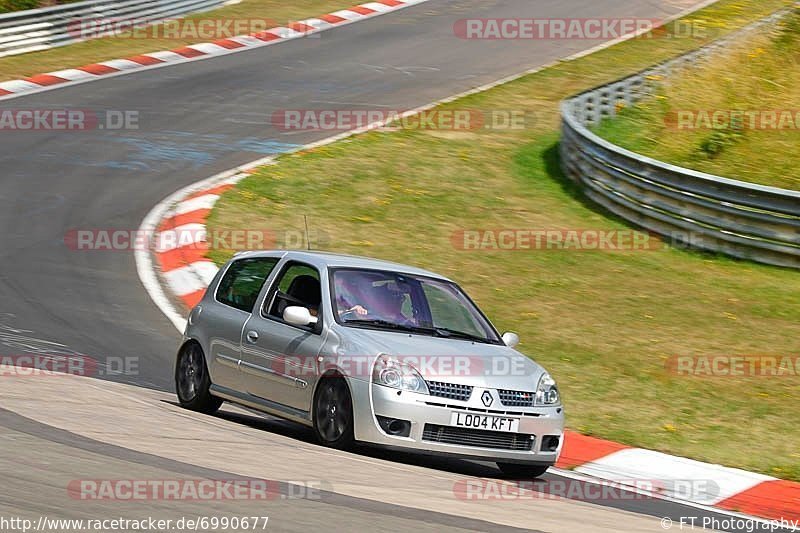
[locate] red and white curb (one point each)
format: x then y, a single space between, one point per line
181 271
183 264
194 52
729 489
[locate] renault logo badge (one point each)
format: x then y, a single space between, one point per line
486 398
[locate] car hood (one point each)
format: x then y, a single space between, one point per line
445 360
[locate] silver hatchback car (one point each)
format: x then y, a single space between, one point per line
366 350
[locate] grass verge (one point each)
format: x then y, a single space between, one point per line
604 323
75 55
760 79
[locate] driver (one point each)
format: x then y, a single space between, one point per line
382 303
348 292
387 304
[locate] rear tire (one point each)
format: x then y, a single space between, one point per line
333 413
192 382
522 471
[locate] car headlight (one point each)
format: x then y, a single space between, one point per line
547 391
398 375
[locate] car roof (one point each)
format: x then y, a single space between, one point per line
333 260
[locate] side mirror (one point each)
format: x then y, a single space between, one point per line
510 338
298 316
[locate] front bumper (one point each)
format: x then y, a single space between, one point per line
422 410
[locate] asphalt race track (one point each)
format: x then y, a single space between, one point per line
198 119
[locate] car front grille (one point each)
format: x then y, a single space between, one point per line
451 391
478 438
516 398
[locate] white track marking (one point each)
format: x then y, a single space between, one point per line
165 56
18 85
190 278
245 40
318 24
285 33
207 48
347 14
375 6
637 464
122 64
205 201
72 74
179 236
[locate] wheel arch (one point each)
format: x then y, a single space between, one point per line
186 343
331 373
337 373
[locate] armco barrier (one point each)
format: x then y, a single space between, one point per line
40 29
710 212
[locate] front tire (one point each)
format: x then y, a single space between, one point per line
522 471
192 382
333 413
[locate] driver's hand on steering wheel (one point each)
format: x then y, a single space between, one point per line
357 309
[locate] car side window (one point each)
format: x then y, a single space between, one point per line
299 285
243 280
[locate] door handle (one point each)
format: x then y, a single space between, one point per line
252 337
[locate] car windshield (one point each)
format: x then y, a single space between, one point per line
402 302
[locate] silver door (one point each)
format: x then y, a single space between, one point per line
279 360
223 319
224 327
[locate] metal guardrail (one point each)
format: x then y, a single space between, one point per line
40 29
705 211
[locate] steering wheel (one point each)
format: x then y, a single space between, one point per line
348 315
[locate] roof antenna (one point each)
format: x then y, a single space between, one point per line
308 241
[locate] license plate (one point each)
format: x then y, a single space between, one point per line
491 423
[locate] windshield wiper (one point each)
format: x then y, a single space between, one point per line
389 325
447 332
435 331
